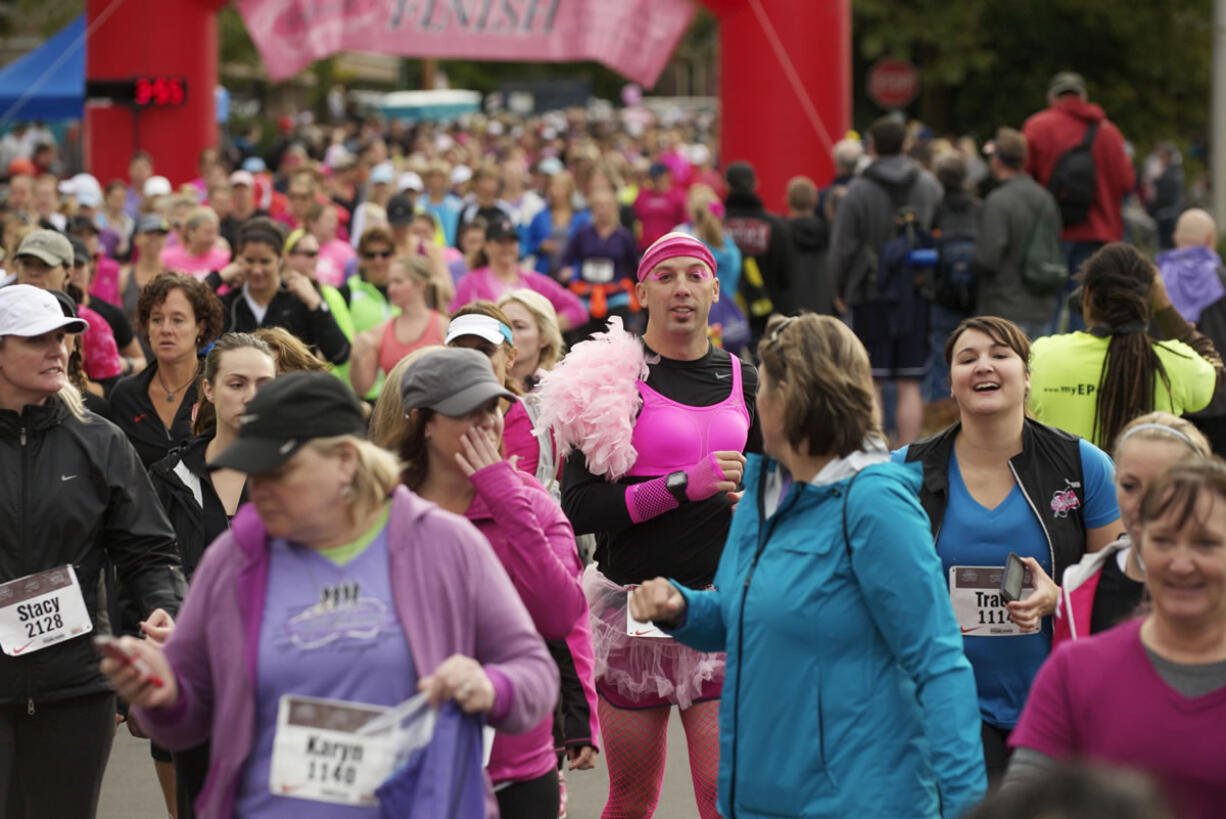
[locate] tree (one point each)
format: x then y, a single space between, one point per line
985 63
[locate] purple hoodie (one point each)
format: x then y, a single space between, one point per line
536 545
452 596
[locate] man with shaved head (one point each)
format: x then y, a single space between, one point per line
1196 283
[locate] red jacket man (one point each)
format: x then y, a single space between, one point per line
1051 132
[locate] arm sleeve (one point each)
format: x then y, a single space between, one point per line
1047 721
328 336
187 723
890 538
592 503
565 302
1027 765
843 245
537 551
992 239
1098 473
703 626
518 440
507 644
538 231
139 539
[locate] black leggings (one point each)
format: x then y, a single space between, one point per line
191 769
52 761
996 752
534 799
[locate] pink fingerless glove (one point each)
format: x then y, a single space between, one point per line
703 479
650 499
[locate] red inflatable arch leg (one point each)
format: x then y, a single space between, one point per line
130 38
785 87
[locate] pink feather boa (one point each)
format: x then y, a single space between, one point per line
591 399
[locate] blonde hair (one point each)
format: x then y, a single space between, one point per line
289 353
199 216
376 475
546 318
706 224
387 420
822 373
1177 430
74 401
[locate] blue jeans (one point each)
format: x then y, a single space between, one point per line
941 323
1075 255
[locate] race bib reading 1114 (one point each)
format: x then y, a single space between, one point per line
975 594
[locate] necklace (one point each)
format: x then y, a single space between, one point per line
170 394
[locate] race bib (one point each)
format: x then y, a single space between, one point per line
340 752
40 610
981 612
637 629
597 271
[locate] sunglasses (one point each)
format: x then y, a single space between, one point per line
377 254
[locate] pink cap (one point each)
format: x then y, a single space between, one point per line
670 246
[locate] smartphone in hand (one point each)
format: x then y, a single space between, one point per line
1012 578
111 648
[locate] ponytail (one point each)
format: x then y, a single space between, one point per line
1117 286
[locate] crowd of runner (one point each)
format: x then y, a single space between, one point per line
416 468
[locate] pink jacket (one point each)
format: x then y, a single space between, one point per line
451 596
1077 589
483 284
536 545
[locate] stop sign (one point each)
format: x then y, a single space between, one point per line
893 83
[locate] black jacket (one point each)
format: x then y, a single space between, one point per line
764 236
184 488
812 288
134 413
74 492
315 328
1049 464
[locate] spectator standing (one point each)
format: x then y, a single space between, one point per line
1063 125
811 285
1011 214
140 170
200 252
848 154
955 226
897 340
1196 283
1164 191
762 237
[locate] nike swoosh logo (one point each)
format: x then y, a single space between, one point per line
67 477
140 417
17 651
722 376
642 631
969 630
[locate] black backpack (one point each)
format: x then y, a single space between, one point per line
1073 179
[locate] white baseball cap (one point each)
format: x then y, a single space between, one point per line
157 186
409 181
461 174
29 311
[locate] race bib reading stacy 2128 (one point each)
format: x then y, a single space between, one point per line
40 610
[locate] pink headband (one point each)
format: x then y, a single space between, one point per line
671 245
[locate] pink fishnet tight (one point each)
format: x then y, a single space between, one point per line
635 744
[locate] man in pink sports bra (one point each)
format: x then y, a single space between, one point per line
664 511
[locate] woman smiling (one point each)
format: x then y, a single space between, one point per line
998 482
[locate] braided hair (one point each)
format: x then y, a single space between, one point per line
1117 287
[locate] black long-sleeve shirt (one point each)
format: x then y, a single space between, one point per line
685 543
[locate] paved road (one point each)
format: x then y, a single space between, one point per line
130 790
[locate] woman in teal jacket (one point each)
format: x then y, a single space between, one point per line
847 691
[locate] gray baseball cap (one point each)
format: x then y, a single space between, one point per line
50 246
452 381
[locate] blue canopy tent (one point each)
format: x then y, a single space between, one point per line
49 82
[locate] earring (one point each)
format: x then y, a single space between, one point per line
348 493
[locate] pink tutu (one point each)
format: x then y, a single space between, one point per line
644 672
